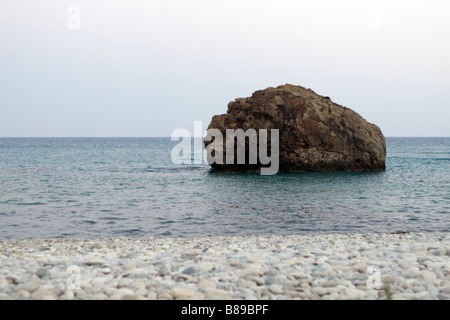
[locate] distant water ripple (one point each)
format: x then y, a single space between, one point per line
109 187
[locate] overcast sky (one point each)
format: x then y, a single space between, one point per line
124 68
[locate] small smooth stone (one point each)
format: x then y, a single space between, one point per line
99 281
250 271
432 290
216 294
206 284
125 282
129 266
270 280
319 291
3 283
23 294
69 294
105 270
189 271
443 296
43 294
204 267
31 286
276 289
163 271
14 279
151 295
42 272
428 276
119 293
97 245
99 296
164 296
331 296
258 280
93 262
354 293
179 292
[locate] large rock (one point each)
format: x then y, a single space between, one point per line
315 134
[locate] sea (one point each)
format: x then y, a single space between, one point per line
131 187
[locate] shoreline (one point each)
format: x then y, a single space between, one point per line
369 266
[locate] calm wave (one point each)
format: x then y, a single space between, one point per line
110 187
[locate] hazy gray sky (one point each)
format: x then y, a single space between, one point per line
101 68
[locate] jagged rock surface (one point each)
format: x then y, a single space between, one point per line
315 134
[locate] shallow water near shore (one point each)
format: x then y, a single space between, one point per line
114 187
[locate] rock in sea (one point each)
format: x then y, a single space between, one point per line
315 134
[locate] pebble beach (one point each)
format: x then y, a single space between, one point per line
308 267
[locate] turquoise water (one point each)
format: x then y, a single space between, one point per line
111 187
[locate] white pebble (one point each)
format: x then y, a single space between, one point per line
180 292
